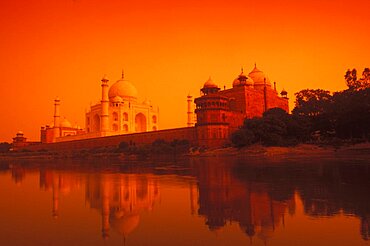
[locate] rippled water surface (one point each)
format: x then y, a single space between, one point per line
207 201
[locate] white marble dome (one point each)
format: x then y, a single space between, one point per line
123 89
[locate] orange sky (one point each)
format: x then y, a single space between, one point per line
168 49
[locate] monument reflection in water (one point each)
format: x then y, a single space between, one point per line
203 202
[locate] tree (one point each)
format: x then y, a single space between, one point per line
242 137
275 128
351 113
311 102
351 78
313 106
5 147
123 146
354 83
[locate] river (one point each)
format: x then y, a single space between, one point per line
202 201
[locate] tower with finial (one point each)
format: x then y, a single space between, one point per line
56 128
104 115
212 113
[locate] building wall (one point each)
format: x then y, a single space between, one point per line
251 102
236 104
212 136
123 118
187 133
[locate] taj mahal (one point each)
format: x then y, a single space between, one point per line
119 112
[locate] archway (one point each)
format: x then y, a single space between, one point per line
115 116
115 127
125 128
96 123
140 123
125 116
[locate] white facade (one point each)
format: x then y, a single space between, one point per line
125 113
119 112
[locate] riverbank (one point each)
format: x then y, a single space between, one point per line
300 151
361 151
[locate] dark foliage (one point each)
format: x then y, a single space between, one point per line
275 128
354 83
318 116
158 147
5 147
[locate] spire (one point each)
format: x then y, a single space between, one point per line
255 65
105 78
242 70
123 74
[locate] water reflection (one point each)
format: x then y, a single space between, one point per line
326 188
121 198
223 197
255 195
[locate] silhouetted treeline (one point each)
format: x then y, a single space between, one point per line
5 147
318 116
158 147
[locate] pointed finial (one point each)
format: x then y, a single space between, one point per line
123 74
255 64
105 78
242 70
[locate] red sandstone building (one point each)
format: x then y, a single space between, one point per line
218 114
221 112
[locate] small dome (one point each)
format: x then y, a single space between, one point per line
65 123
123 89
147 102
259 77
117 99
209 84
19 133
236 82
242 80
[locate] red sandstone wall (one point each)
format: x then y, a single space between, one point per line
212 136
113 141
254 102
274 101
239 94
251 101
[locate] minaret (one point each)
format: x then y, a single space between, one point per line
190 111
56 118
104 116
57 112
265 95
